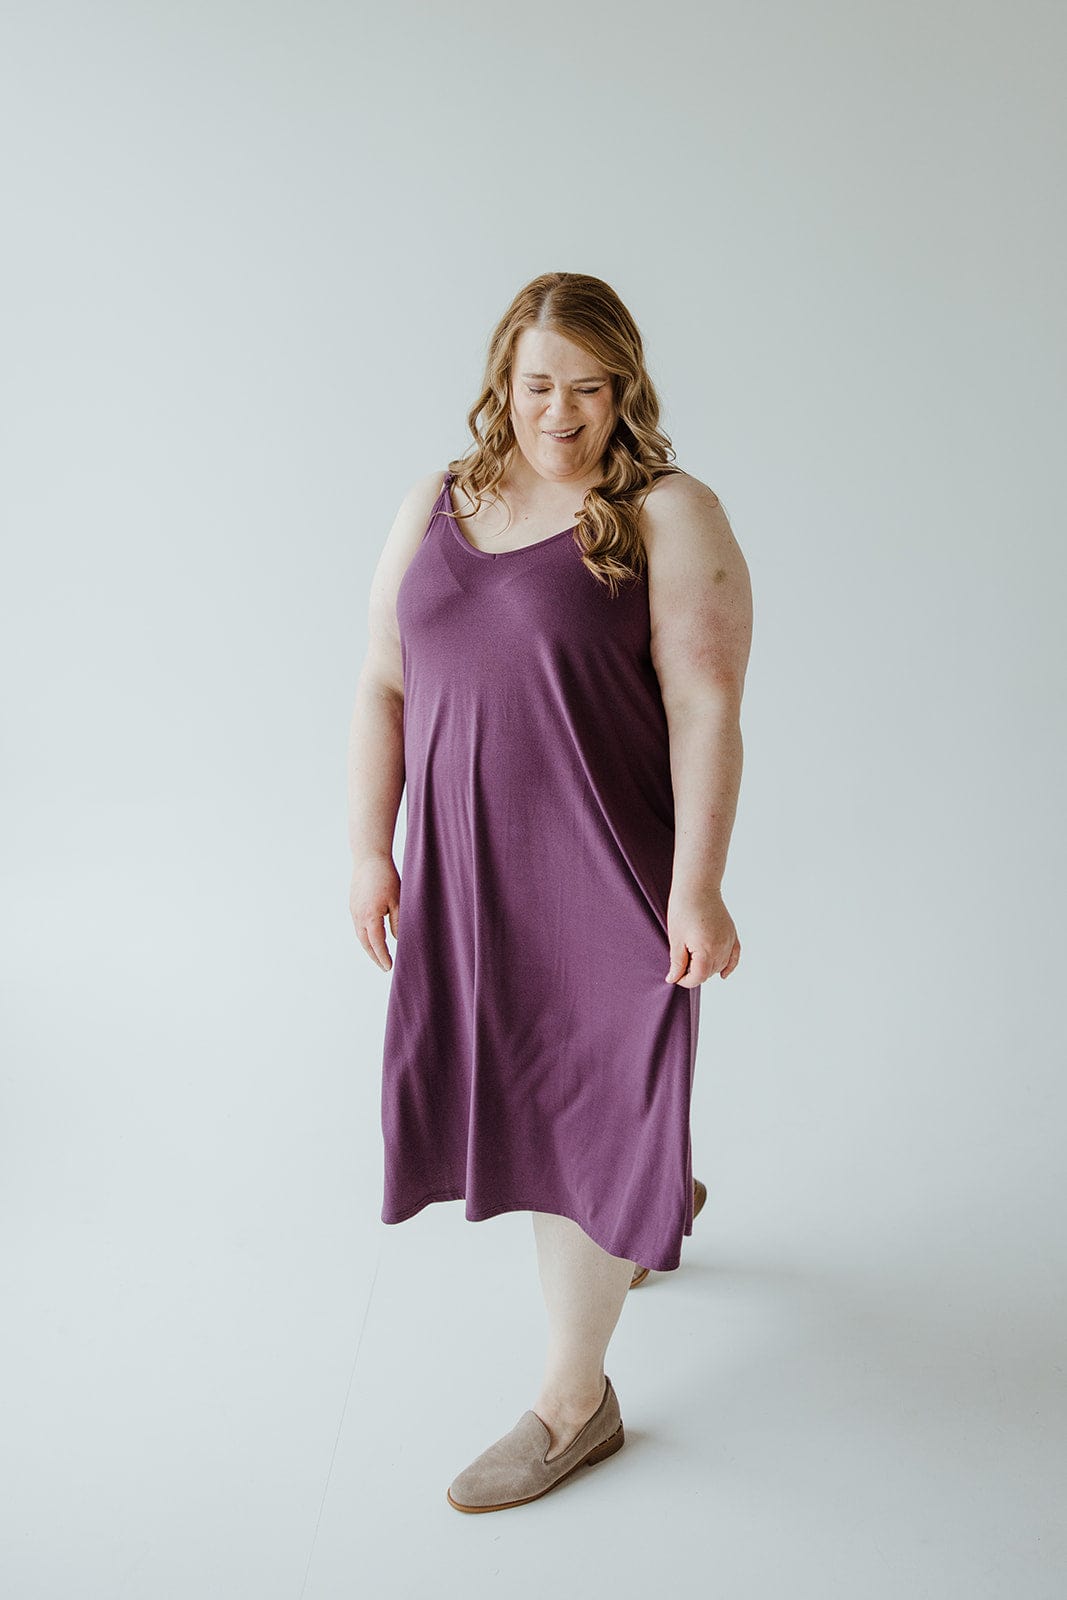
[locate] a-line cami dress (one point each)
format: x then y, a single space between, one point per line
534 1058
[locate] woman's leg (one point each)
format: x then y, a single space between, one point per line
584 1289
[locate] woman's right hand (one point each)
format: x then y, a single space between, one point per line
375 894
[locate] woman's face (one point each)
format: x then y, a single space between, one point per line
557 387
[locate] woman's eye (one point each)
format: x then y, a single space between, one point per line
580 391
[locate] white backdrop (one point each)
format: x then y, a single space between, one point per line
252 257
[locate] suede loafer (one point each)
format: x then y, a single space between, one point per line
514 1469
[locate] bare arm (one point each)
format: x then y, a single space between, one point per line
707 755
376 734
700 602
375 766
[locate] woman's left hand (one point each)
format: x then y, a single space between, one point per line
703 939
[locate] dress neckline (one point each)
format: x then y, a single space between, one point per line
492 555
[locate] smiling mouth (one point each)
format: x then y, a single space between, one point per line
572 434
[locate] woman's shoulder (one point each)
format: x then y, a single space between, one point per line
411 521
675 487
680 504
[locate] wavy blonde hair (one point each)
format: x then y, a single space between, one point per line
589 313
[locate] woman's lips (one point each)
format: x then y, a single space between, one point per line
566 437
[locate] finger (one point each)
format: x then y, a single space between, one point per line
735 956
379 949
679 963
365 942
700 970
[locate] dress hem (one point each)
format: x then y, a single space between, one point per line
485 1213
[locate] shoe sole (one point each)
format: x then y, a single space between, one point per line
599 1452
700 1194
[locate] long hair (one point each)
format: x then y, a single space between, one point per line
589 313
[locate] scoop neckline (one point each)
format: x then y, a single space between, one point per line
492 555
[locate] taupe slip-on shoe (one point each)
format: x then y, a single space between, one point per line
514 1470
700 1194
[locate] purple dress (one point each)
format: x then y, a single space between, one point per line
534 1057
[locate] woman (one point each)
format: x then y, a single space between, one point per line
564 709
